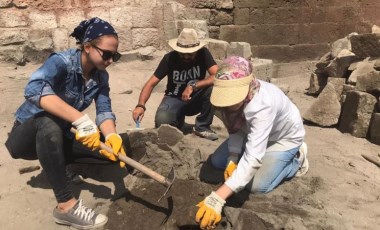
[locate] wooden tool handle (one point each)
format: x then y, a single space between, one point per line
129 161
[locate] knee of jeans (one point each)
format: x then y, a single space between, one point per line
164 117
259 187
218 163
50 129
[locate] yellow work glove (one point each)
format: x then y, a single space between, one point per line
87 132
231 166
115 142
210 211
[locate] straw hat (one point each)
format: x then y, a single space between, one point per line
227 92
187 42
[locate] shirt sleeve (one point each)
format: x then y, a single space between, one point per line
103 102
163 68
209 60
261 123
43 80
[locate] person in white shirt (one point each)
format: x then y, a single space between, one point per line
266 137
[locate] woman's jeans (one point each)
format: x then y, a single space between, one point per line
276 167
42 138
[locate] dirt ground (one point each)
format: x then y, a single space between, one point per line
340 191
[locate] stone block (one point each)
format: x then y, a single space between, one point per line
218 48
100 12
43 20
339 45
339 66
346 88
60 39
241 16
5 3
366 45
338 84
13 36
316 83
203 14
242 49
374 130
170 30
325 110
375 29
170 135
12 53
147 3
199 25
125 38
13 18
142 18
121 17
262 69
323 62
203 4
214 32
218 18
70 19
356 113
224 4
369 82
145 37
362 68
376 65
174 11
21 4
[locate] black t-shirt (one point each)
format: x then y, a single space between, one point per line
180 73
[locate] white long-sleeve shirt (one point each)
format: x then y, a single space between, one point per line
273 123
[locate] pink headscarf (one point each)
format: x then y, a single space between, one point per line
235 67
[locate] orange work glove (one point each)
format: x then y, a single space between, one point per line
115 142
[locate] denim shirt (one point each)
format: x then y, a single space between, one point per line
61 75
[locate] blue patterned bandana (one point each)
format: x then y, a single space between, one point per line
91 29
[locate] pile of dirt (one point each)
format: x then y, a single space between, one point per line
292 205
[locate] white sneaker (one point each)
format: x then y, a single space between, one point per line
304 163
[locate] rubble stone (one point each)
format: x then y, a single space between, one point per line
242 49
366 45
362 68
374 132
369 82
356 113
325 111
339 66
316 84
224 4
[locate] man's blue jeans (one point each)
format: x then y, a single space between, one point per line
276 167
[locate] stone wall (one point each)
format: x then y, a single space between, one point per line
31 29
282 30
289 30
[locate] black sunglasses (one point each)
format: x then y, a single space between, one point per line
107 55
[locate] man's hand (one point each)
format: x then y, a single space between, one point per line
187 93
87 132
210 211
115 142
138 114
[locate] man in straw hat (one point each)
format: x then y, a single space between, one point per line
266 137
188 90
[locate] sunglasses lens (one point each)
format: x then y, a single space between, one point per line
107 55
116 56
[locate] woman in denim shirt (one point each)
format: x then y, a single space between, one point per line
56 93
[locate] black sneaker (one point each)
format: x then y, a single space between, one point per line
208 134
80 217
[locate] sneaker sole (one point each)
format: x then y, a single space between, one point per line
63 222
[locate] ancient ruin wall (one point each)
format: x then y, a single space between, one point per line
282 30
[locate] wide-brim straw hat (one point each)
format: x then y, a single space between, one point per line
187 42
227 92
